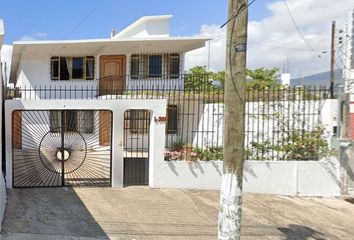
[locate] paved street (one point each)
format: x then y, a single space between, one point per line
144 213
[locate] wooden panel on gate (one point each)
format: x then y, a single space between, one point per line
104 128
17 129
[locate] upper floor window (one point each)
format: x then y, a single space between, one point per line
71 68
174 65
155 65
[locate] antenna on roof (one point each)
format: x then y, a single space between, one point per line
113 33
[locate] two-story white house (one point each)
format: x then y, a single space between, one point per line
75 118
144 53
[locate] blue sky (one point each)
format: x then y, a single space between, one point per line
80 19
273 40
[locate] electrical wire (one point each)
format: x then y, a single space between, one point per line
237 13
83 19
72 30
297 27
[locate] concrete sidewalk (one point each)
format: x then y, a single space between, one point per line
144 213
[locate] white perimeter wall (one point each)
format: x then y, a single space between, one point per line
294 178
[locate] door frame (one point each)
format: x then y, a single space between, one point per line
115 84
138 164
102 57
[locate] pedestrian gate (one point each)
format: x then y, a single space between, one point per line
136 147
61 148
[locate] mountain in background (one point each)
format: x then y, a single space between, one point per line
318 79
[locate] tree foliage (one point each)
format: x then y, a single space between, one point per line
199 77
262 78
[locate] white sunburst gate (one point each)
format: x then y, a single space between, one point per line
49 144
61 148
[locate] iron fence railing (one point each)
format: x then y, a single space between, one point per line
279 122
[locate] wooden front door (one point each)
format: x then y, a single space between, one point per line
112 74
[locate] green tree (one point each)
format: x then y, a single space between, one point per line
219 76
197 79
262 78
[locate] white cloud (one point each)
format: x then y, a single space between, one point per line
273 41
217 49
34 37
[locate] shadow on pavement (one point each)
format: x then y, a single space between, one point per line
293 232
349 200
49 211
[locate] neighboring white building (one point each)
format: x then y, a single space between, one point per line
348 59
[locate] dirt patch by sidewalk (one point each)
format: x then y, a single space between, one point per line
145 213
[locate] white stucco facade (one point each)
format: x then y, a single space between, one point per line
149 35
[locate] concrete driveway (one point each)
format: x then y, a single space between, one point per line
145 213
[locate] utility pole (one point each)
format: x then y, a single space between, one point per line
333 57
229 223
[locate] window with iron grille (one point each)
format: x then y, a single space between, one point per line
155 65
72 68
172 119
138 121
81 121
174 65
134 66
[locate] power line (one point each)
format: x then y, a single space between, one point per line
296 26
73 29
238 13
83 19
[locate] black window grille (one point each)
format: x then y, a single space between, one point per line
78 68
174 66
54 68
70 68
155 65
138 121
134 65
90 68
63 68
172 119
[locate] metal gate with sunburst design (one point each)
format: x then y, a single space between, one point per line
61 148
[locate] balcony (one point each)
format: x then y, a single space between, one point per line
117 87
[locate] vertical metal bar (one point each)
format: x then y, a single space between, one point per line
62 147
